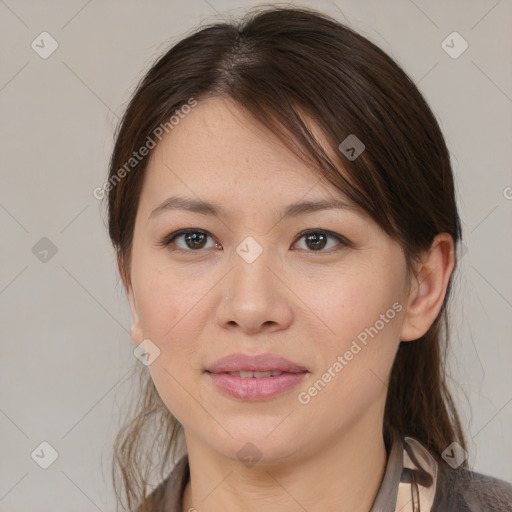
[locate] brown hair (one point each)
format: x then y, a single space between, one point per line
286 65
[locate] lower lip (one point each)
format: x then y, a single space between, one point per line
256 388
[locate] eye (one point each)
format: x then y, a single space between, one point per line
194 239
317 239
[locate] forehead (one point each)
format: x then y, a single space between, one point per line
218 149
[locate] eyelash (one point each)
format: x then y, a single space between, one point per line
168 240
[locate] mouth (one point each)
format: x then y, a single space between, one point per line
255 375
260 377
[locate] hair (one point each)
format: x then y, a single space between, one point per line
288 66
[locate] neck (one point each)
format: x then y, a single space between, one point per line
343 477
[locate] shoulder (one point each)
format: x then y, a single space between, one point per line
449 489
462 490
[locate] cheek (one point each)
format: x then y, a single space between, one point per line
170 318
363 313
168 299
356 360
355 303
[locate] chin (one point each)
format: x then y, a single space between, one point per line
252 445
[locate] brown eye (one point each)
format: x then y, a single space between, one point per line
193 240
317 240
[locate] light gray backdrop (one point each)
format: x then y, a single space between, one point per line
64 318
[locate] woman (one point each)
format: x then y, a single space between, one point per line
282 206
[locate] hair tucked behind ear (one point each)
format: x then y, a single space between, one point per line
290 68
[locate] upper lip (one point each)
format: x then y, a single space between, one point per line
255 363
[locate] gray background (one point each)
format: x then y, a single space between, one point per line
65 321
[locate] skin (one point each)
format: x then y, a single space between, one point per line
307 304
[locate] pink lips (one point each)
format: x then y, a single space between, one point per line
258 387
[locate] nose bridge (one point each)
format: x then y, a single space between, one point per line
254 296
252 263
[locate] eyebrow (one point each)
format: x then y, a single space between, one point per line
216 210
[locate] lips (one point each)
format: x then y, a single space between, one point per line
257 377
255 366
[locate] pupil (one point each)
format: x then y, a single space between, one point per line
314 237
192 237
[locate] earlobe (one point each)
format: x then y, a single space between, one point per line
135 328
428 288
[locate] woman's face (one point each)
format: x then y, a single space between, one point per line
250 282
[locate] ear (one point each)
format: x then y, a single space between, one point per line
428 288
135 329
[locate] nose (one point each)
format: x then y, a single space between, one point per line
254 297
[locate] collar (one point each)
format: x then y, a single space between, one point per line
410 478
